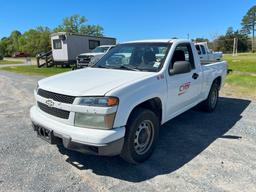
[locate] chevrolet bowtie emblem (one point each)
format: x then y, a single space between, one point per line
49 103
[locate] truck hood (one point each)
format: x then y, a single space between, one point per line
90 81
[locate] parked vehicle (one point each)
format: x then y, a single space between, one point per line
67 46
20 54
118 105
206 55
87 59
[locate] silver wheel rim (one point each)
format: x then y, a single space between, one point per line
144 137
214 97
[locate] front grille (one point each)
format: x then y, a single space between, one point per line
54 111
56 96
84 59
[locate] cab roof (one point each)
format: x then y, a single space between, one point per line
159 41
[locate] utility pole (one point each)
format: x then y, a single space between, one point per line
253 30
234 44
188 36
234 47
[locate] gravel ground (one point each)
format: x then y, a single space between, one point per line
196 151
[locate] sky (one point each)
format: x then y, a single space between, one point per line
130 19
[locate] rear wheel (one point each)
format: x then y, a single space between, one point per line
211 102
141 136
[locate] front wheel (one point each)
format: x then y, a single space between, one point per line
141 136
211 102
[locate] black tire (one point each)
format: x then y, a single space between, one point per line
211 102
140 122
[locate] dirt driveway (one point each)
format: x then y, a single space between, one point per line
196 151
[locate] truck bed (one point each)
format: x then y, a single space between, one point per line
212 70
208 62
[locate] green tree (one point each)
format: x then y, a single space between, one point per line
10 44
248 23
76 24
200 39
7 47
225 42
15 35
1 52
35 41
92 30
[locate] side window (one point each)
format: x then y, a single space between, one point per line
198 49
183 52
93 44
203 49
57 44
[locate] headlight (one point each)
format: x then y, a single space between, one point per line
94 60
94 120
99 101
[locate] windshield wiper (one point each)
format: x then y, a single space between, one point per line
128 67
101 66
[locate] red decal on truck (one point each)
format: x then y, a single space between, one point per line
183 88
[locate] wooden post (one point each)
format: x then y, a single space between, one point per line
234 46
46 61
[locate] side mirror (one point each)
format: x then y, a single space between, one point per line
180 67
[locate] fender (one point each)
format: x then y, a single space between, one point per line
130 96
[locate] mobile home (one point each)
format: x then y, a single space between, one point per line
67 46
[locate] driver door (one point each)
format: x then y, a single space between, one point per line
183 89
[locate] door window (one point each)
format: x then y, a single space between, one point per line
203 49
183 52
198 49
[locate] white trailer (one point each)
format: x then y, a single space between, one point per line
67 46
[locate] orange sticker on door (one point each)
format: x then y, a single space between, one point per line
183 88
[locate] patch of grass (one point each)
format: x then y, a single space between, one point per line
243 62
10 62
248 81
34 70
241 85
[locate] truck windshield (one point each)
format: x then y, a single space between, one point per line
100 50
136 57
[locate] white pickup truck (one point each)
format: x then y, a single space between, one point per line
205 54
118 105
86 59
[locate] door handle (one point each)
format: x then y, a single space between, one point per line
195 76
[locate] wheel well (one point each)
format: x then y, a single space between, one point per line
154 105
218 81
